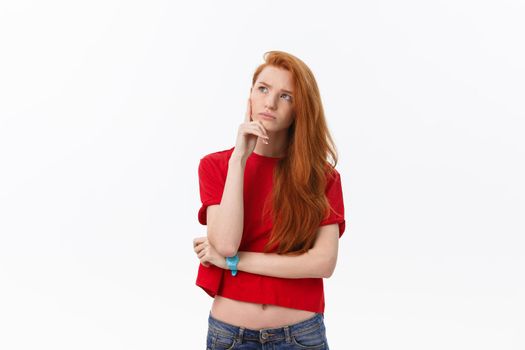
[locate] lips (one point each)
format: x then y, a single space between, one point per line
267 115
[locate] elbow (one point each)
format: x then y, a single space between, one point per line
223 248
325 263
329 268
226 250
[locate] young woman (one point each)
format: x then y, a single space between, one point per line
273 206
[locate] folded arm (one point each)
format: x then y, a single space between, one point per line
318 262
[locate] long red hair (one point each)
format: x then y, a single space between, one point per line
298 202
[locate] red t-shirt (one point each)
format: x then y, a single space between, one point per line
296 293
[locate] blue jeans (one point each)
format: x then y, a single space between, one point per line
307 335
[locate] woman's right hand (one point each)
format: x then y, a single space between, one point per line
248 133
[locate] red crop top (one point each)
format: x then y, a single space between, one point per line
296 293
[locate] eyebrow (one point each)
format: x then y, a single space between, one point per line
262 82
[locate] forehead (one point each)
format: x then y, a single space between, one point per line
278 78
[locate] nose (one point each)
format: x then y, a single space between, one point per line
269 103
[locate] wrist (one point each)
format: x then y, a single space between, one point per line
237 158
221 262
232 263
239 263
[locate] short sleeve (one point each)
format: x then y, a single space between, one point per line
211 185
334 194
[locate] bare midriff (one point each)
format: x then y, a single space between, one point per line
256 316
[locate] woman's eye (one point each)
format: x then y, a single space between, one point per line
289 98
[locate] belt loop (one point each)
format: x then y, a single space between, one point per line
241 333
287 334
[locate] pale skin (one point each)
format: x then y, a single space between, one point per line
272 93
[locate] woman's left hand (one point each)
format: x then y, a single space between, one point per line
207 253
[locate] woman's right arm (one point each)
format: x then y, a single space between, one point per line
225 221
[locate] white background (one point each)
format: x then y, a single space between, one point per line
106 108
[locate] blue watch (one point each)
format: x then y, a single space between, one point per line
232 261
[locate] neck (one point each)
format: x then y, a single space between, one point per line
276 147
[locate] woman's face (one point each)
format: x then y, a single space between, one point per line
273 94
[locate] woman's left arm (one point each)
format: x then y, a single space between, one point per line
318 262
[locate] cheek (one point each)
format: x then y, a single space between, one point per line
289 113
255 98
289 118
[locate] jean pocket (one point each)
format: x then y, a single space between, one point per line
222 341
312 340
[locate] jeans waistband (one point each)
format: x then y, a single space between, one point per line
266 334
